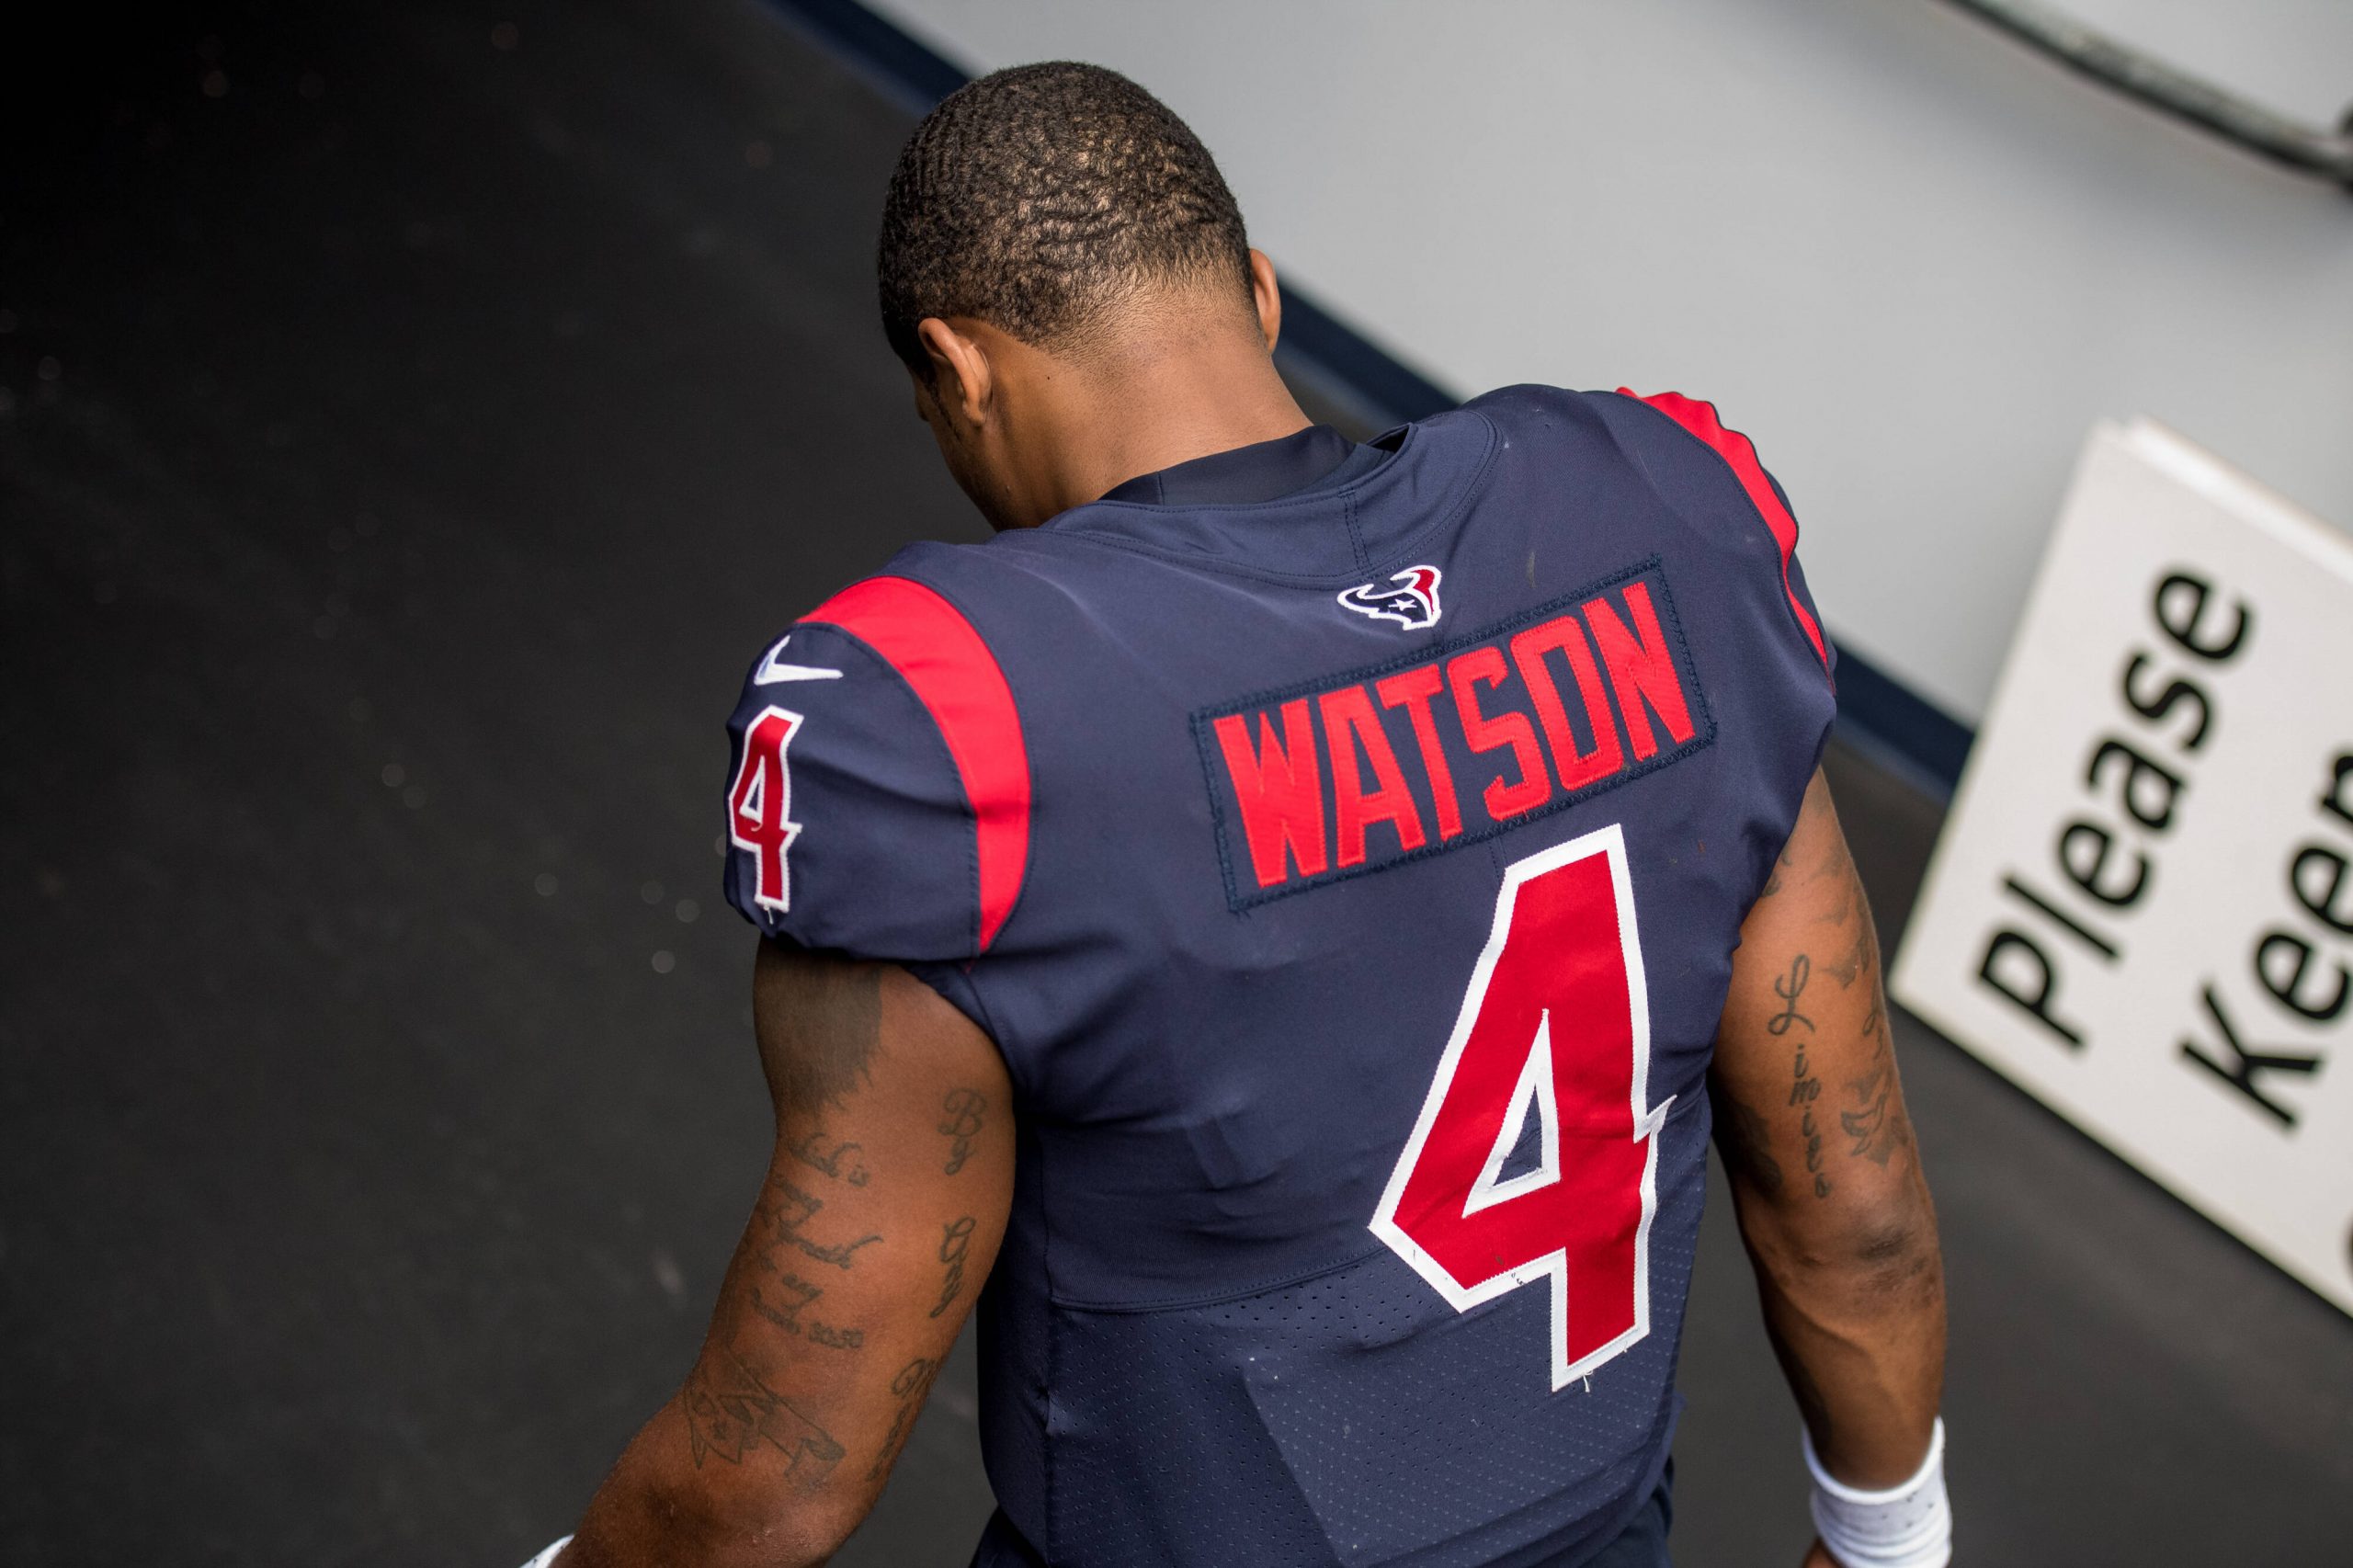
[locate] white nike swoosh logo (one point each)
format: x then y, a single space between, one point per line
770 672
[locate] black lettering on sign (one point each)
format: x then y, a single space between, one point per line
2283 976
2150 790
2238 1066
2180 606
2175 694
2029 981
2083 854
2103 862
2061 918
2319 893
2337 798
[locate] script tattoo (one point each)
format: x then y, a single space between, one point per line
964 1109
834 1162
1805 1087
1862 953
1788 988
1877 1127
796 1210
795 1294
1875 1133
911 1385
730 1411
955 1239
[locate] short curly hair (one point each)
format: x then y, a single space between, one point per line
1038 197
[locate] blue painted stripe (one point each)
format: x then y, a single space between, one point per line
1874 708
907 69
1892 720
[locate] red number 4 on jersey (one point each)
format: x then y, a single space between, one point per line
759 800
1556 1023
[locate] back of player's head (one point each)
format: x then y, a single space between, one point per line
1042 198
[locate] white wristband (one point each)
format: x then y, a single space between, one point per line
1907 1526
547 1557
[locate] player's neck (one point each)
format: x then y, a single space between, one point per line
1177 413
1156 402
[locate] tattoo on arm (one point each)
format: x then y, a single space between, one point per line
795 1209
793 1296
730 1411
965 1109
1877 1129
1788 988
1877 1126
1862 951
955 1239
1805 1087
912 1385
819 1153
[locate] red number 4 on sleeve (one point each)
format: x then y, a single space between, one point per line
758 803
1556 1023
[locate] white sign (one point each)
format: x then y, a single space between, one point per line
2141 908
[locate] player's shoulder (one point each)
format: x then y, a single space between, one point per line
1675 447
1728 511
930 621
1686 431
1679 447
1534 403
1668 424
878 795
915 617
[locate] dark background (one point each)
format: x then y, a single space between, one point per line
413 418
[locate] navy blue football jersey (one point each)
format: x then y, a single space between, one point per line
1350 879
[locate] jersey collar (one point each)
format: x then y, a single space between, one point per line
1264 470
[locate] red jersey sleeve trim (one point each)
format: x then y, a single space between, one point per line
1740 454
958 680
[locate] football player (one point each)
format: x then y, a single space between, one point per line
1277 928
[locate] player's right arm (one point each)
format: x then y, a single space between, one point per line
1825 1174
885 1196
877 809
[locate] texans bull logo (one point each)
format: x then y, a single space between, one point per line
1412 603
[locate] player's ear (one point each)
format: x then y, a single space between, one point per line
961 376
1266 297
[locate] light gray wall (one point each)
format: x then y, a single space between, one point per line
1911 259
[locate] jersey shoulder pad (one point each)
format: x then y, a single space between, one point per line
878 799
1736 455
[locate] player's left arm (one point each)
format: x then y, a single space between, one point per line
884 1204
1827 1184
